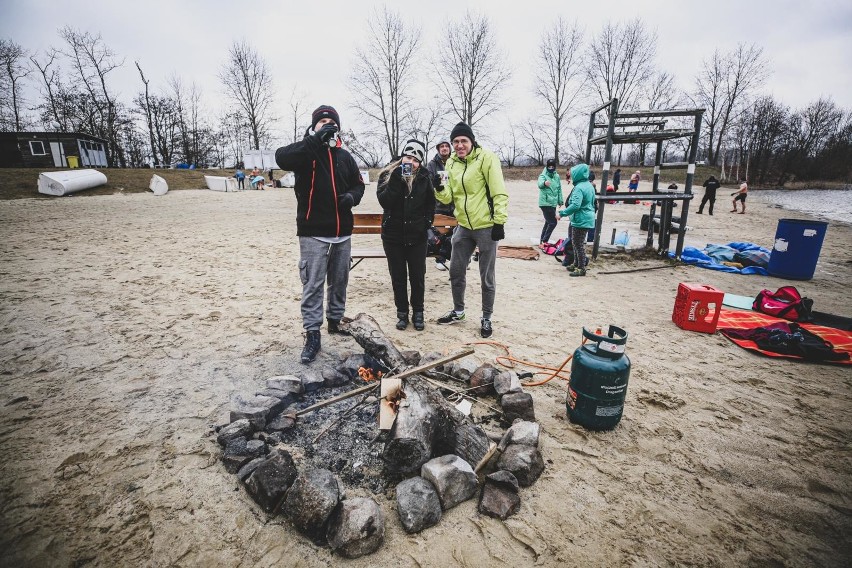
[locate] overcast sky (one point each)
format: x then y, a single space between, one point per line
310 44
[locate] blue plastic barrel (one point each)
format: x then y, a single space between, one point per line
798 243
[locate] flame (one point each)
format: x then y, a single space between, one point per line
367 374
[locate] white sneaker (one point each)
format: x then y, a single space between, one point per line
440 266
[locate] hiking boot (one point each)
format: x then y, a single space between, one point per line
402 320
571 267
417 320
578 272
312 346
334 327
450 318
485 329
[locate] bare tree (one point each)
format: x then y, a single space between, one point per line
248 83
55 93
366 147
93 61
15 68
722 85
619 61
559 61
470 69
146 107
383 74
298 110
508 148
535 134
426 122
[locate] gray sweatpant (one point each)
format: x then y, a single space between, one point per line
319 261
464 242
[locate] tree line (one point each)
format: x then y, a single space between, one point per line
746 132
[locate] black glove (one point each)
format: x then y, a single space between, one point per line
497 233
326 132
346 201
436 182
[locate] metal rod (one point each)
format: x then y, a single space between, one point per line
631 124
605 176
672 112
690 176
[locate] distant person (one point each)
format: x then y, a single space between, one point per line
581 210
436 166
740 196
549 198
633 185
710 187
405 192
616 179
271 178
328 186
475 185
241 179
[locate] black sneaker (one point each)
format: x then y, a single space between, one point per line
402 320
417 320
485 329
450 318
312 346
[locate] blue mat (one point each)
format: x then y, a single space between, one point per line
692 255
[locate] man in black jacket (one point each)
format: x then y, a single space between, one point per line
435 166
328 185
711 185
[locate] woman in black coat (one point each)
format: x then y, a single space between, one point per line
405 193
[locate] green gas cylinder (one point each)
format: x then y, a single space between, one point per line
598 384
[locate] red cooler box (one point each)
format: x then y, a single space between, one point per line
697 307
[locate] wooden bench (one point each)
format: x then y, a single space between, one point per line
371 224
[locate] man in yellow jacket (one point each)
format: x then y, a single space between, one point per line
475 186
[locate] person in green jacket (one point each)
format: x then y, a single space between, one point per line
475 186
549 198
581 210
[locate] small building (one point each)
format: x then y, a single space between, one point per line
51 150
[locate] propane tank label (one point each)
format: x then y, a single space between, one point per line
572 398
611 347
609 410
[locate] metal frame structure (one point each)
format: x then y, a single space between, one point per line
643 119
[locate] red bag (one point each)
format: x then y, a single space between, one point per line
785 303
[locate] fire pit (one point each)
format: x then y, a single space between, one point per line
382 423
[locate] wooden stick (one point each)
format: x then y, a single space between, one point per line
368 388
492 449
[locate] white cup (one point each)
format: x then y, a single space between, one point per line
444 176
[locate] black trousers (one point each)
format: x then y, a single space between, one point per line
549 223
407 263
707 199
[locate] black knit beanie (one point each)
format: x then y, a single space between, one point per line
462 129
324 111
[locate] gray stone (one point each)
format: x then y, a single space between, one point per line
524 462
245 471
506 382
418 504
500 497
483 379
452 477
312 381
356 528
465 368
287 383
271 479
521 432
352 363
412 358
241 428
253 408
277 393
281 422
240 451
450 368
518 405
311 500
334 378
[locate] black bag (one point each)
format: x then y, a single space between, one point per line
437 244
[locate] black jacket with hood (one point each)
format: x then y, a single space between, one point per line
406 215
323 175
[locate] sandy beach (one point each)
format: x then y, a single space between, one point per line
128 321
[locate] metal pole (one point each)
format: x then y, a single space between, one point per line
690 175
613 112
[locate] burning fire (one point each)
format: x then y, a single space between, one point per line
367 374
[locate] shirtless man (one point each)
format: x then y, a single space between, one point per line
740 196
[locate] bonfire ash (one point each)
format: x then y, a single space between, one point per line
436 455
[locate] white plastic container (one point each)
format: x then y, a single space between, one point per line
69 181
158 185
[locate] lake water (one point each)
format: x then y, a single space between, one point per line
825 204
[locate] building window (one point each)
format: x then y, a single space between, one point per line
37 148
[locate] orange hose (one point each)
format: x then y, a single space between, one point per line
509 362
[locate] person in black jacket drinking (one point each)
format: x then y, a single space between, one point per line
405 193
328 185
